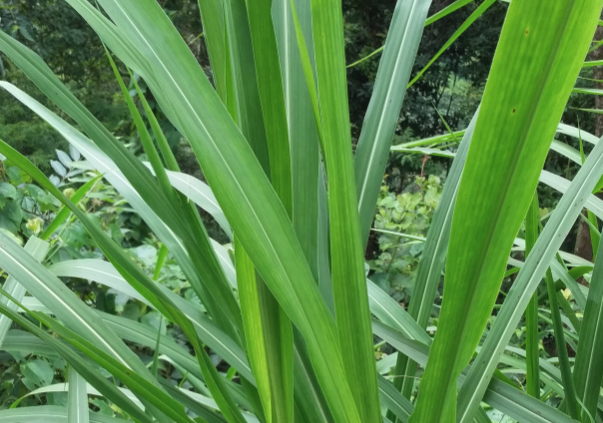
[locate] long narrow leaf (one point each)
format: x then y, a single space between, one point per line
194 237
588 371
239 184
432 261
38 250
500 178
347 258
383 111
532 225
48 414
543 253
77 405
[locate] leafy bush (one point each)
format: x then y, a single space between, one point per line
24 207
409 214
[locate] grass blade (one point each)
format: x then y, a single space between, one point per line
48 414
269 337
117 179
432 262
588 371
447 10
64 303
384 107
302 132
520 406
543 253
107 388
504 396
171 214
77 404
63 214
272 97
250 203
532 224
104 273
499 178
260 115
347 258
244 78
566 372
214 28
38 250
142 283
141 386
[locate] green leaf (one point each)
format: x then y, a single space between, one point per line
241 187
384 107
144 135
399 406
269 341
588 371
77 407
566 371
301 125
386 309
261 116
65 304
104 273
7 190
38 250
432 261
141 386
48 414
520 406
447 10
64 213
90 373
212 15
244 76
541 257
222 305
540 51
532 224
506 397
39 371
144 285
201 194
272 97
347 253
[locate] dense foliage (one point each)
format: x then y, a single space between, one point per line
257 271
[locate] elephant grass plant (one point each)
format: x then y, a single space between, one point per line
294 315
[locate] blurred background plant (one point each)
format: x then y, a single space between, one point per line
401 223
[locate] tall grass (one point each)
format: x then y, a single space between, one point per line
294 316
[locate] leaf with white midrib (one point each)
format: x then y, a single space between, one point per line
77 407
384 107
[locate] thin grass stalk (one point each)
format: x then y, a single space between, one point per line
532 224
564 364
588 371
